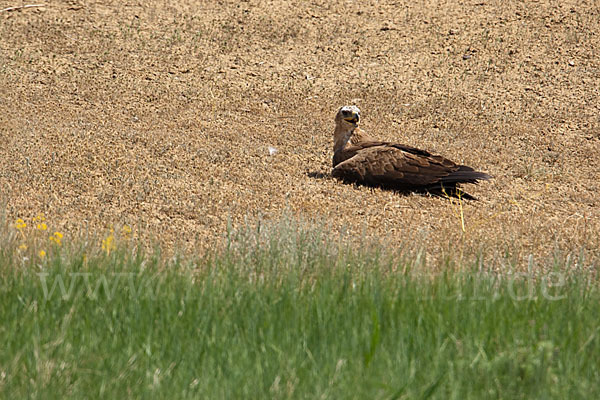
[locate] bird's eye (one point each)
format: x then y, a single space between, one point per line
345 113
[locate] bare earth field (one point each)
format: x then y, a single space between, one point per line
160 115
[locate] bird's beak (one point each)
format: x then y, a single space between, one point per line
353 119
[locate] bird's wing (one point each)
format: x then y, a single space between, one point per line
391 164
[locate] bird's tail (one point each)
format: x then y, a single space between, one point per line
465 174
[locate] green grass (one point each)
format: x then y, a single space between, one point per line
289 314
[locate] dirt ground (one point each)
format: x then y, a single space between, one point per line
160 115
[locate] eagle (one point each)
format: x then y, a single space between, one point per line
360 159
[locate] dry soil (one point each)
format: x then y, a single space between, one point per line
160 115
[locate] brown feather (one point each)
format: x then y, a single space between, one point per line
360 159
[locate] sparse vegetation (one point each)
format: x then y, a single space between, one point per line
160 116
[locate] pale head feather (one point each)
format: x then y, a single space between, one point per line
348 115
346 121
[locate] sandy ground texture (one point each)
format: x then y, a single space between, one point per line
160 115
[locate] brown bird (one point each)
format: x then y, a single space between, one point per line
358 158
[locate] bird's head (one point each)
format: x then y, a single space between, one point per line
348 117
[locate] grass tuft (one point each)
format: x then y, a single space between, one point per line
283 312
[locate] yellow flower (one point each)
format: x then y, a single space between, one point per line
56 238
42 226
108 244
42 254
39 217
23 247
20 224
126 231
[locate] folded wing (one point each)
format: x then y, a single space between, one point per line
402 168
